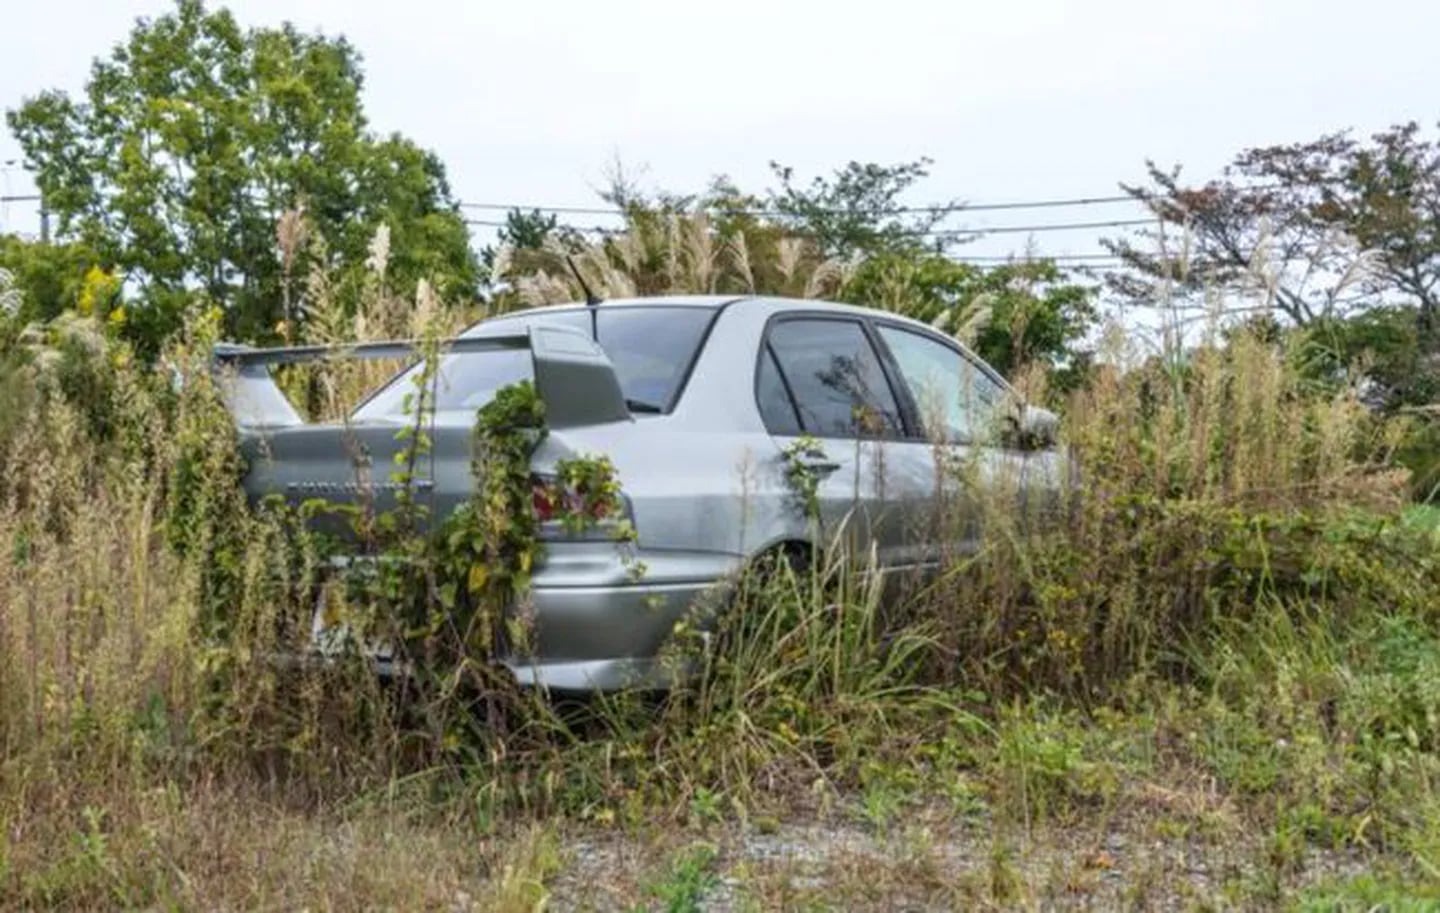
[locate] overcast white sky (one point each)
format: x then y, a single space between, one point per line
527 102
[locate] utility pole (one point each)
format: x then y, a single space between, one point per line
44 223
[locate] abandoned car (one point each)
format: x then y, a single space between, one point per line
698 401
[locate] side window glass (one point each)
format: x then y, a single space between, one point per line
839 387
956 399
776 409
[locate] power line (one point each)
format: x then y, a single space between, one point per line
1093 258
1022 258
596 229
1026 229
946 209
948 233
1025 204
933 209
953 233
979 258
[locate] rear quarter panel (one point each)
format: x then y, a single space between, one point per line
706 477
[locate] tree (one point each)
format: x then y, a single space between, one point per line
527 230
859 211
521 231
1322 228
1384 195
46 278
195 136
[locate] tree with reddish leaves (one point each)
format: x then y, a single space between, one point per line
1321 229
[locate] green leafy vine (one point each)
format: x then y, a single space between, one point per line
801 477
451 596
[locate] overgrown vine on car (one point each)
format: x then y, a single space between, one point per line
455 598
801 477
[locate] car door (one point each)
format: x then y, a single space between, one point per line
822 376
960 406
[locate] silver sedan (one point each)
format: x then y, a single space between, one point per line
699 402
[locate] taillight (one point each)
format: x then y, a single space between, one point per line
542 499
577 511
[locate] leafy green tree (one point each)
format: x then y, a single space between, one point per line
859 211
1385 342
527 230
195 136
522 231
45 278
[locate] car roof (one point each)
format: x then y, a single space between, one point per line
769 304
772 304
710 302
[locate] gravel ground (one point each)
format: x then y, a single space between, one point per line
925 864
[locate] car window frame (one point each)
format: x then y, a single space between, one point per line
905 408
768 351
953 345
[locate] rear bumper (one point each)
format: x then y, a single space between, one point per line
593 623
594 627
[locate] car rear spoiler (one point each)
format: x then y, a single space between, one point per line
573 375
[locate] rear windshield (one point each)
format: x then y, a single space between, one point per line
650 347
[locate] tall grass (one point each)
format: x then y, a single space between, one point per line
1200 492
139 594
1228 556
671 252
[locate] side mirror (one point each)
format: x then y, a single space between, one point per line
1033 428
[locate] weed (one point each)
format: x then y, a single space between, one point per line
706 806
688 879
529 861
